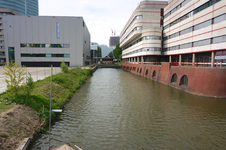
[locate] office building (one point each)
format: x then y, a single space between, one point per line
194 31
45 40
4 11
23 7
140 39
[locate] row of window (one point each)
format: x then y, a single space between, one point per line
45 55
135 18
135 29
195 11
144 38
176 8
2 47
1 41
215 40
46 45
143 50
1 30
198 26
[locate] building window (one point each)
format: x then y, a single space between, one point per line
11 54
137 70
184 81
58 29
174 78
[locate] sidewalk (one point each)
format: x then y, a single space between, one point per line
37 73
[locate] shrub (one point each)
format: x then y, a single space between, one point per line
64 67
14 77
30 84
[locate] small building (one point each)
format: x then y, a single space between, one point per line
107 60
39 41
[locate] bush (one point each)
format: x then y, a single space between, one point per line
64 67
29 85
14 77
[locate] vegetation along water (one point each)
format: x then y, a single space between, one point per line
15 124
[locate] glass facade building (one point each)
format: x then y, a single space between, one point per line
23 7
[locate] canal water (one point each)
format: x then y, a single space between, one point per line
116 109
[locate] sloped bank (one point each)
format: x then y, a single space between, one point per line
29 119
209 82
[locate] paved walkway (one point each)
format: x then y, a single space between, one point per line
37 73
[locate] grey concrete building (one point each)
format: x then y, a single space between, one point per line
113 41
4 11
45 40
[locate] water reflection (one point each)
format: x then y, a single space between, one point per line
119 110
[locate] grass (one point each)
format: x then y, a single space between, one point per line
4 106
63 87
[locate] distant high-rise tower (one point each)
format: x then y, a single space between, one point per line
113 41
23 7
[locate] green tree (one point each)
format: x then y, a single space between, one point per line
14 76
30 84
110 54
99 54
64 67
118 52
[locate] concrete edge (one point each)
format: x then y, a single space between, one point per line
24 144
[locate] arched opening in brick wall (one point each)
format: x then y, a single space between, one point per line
184 80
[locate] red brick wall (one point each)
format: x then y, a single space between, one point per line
201 81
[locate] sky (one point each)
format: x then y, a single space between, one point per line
101 16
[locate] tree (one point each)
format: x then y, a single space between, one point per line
14 76
64 67
99 54
30 84
110 54
118 52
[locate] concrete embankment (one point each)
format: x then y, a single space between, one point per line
208 82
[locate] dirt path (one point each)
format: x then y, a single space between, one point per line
16 124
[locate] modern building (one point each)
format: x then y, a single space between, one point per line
45 40
23 7
4 11
141 37
194 31
113 41
105 50
192 55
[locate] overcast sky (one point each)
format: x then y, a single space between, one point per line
100 15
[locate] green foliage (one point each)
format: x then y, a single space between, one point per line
29 84
14 77
110 54
64 67
118 52
99 54
64 86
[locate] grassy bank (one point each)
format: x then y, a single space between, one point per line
63 87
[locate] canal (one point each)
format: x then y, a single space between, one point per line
116 109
